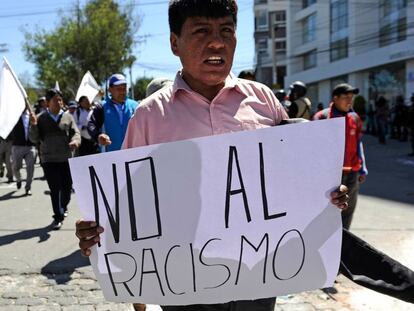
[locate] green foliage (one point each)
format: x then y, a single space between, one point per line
140 86
99 38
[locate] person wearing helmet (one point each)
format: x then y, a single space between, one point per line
300 105
282 98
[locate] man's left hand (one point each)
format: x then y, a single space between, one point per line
362 178
340 197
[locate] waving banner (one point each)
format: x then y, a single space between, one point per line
12 99
88 87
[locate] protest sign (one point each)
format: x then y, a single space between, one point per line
12 99
238 216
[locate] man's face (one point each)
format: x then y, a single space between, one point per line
343 102
206 49
55 104
118 92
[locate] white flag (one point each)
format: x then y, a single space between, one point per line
57 87
12 99
88 87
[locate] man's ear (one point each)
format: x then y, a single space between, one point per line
174 43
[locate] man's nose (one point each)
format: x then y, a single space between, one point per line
216 40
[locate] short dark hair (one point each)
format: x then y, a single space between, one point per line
51 93
180 10
82 98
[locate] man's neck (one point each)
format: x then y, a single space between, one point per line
209 92
54 112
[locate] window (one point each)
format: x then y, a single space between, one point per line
280 46
306 3
339 15
310 60
261 20
393 24
309 28
262 44
339 29
339 49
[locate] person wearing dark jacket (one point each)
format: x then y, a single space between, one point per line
59 136
23 148
109 120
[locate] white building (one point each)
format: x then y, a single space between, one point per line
369 44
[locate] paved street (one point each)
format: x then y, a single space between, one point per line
41 269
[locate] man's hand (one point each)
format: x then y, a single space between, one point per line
340 197
33 119
88 234
73 145
362 178
104 140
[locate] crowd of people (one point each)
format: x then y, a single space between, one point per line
203 36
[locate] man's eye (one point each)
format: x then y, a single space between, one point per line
228 29
201 30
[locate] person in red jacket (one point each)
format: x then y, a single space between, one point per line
354 170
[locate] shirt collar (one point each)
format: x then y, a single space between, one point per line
181 85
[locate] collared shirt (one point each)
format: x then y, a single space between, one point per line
55 117
177 112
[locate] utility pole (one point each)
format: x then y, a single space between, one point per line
272 20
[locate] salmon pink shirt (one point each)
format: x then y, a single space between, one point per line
177 112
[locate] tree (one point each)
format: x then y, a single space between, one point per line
140 86
99 38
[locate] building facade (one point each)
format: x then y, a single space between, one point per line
369 44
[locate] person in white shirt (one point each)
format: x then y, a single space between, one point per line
82 115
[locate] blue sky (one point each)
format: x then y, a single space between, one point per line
154 56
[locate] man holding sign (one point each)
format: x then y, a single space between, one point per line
205 99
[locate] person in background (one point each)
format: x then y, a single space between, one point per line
354 170
82 116
203 36
282 98
410 123
109 120
41 105
382 114
247 75
5 158
23 148
72 107
157 84
59 137
300 105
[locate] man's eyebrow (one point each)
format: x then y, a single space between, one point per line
207 24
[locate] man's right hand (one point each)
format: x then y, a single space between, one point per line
33 118
104 140
88 234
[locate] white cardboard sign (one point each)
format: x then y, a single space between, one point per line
238 216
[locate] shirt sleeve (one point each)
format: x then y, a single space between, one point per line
136 135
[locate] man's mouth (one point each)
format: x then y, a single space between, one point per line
214 60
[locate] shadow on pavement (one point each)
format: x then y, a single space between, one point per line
42 233
10 195
61 269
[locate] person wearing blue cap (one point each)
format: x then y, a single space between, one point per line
109 120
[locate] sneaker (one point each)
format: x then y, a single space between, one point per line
57 225
9 180
28 192
2 173
65 213
19 184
